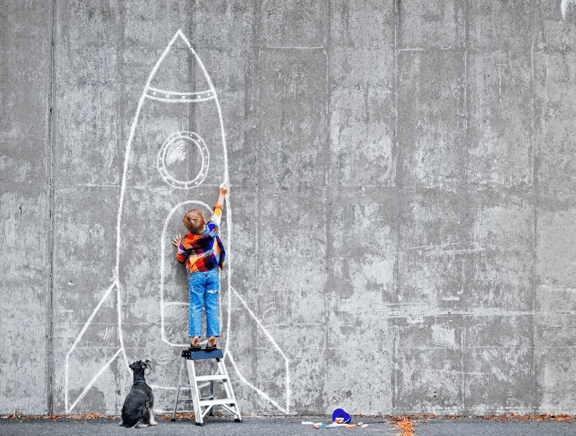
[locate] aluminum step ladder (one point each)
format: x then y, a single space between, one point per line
203 405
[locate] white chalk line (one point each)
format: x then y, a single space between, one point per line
181 100
204 154
271 339
268 335
251 386
85 391
182 388
122 349
169 388
201 94
76 341
166 411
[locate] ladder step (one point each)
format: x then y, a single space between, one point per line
199 355
201 378
219 401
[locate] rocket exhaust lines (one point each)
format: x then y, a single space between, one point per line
175 159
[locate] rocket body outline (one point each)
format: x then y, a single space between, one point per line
174 97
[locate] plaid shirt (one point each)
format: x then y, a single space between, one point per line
203 252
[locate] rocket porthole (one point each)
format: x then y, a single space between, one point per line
183 160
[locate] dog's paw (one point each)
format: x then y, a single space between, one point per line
121 424
141 425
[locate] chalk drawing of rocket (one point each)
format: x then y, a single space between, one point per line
175 160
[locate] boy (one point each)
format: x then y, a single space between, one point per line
203 252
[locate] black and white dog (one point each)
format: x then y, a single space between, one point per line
137 408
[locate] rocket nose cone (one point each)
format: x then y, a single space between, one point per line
180 70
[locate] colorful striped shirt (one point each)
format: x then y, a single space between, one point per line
206 251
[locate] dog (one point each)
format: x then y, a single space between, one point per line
137 409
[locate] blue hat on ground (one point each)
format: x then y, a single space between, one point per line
339 413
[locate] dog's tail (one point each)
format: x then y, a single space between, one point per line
96 346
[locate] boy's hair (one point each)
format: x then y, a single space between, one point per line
188 223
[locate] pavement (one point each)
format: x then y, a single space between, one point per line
225 426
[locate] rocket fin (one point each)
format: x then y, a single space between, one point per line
271 383
95 348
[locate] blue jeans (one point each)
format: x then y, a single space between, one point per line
204 288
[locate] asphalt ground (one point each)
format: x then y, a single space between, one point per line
225 426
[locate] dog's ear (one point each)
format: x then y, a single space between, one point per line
132 366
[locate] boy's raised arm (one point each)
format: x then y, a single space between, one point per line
218 208
223 192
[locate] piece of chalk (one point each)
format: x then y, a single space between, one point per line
307 423
364 425
318 425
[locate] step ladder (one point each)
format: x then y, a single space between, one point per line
203 405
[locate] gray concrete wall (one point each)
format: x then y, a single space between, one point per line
401 220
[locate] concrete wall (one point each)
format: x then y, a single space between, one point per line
401 220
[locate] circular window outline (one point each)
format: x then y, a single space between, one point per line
204 154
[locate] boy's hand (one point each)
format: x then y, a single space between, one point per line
177 240
224 188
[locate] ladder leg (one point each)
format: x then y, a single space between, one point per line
178 390
194 390
229 390
212 372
